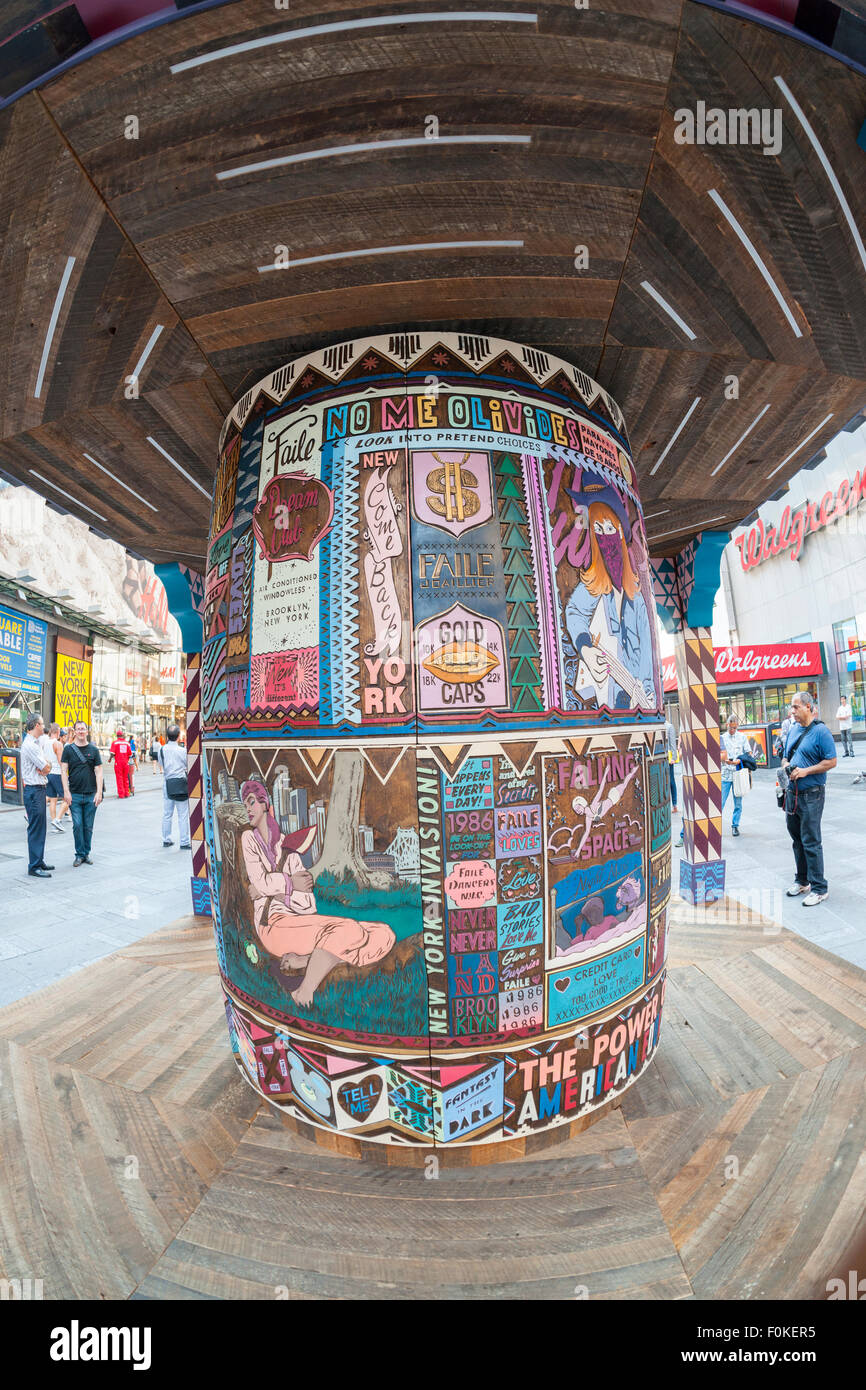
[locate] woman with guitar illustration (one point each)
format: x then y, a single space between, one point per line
609 588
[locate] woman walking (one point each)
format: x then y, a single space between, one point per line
54 788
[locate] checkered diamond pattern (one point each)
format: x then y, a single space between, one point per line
702 773
674 580
194 777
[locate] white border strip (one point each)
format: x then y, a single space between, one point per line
675 436
668 308
149 346
103 469
67 496
801 445
52 327
488 736
367 146
394 251
691 526
760 415
174 463
825 165
346 26
753 253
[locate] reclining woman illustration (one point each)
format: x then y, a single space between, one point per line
284 904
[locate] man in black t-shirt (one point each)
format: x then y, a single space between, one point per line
81 770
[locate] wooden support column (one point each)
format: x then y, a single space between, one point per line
685 588
201 899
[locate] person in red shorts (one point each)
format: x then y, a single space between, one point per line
120 753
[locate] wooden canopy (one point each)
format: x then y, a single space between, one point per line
720 297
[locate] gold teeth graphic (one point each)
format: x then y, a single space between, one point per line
457 662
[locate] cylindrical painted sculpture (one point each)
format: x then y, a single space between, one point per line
438 806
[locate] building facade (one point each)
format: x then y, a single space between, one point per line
796 573
85 630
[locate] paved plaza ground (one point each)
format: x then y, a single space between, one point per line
113 1037
760 863
50 927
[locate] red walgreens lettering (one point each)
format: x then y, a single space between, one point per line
736 665
760 542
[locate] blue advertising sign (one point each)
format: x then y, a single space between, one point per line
23 642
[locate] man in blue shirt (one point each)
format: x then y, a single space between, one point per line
814 753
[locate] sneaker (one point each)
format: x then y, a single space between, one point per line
61 829
167 843
77 860
797 888
814 899
87 859
736 829
186 846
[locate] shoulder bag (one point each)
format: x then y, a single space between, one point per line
176 788
786 763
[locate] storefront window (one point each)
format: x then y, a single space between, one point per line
119 700
773 707
850 643
15 709
755 707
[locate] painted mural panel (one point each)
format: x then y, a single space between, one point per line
425 1100
437 819
391 553
316 867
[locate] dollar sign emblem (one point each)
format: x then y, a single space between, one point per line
454 485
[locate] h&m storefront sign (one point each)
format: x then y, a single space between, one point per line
757 664
763 542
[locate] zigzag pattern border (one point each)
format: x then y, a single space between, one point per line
474 353
351 600
335 591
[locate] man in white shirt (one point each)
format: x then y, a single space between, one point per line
733 745
35 768
174 763
845 715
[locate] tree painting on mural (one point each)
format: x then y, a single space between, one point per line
318 873
604 584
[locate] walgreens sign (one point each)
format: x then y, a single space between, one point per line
742 665
761 543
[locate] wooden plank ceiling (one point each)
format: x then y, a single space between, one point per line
150 238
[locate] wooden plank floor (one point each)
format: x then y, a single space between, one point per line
135 1163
